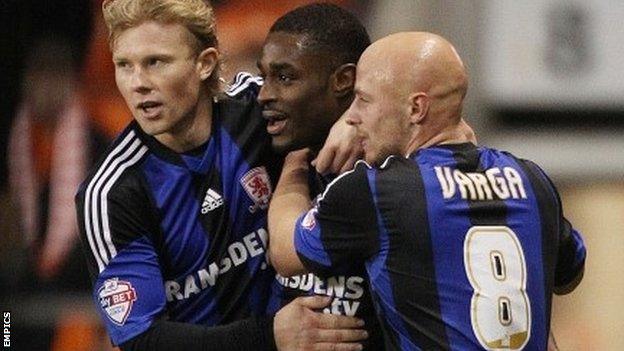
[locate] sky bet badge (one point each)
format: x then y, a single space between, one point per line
309 221
257 184
116 298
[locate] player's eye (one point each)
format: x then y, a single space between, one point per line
121 64
155 62
284 78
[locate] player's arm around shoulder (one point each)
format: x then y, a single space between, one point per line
290 199
338 231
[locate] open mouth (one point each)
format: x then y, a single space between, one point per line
276 121
150 109
275 127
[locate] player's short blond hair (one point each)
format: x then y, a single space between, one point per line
196 15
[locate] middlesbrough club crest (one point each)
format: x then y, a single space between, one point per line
116 298
257 184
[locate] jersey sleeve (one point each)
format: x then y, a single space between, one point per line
245 86
342 229
117 233
571 256
571 251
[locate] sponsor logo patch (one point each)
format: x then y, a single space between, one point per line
257 184
212 201
309 221
116 298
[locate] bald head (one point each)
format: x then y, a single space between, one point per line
409 92
419 62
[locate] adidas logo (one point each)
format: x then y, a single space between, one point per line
212 200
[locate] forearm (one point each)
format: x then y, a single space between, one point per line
290 200
249 334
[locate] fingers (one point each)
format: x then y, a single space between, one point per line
328 321
297 327
341 335
340 158
313 302
350 163
337 347
323 160
332 321
337 160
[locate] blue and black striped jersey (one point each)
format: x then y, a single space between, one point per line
463 246
349 289
181 237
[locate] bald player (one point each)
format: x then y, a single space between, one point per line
464 245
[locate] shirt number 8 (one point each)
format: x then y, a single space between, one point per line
500 310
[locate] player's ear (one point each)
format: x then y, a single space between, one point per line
419 107
207 62
343 80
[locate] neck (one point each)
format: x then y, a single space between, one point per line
192 131
457 133
337 113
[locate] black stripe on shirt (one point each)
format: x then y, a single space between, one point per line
403 206
549 219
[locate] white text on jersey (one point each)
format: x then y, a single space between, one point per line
492 184
345 290
238 253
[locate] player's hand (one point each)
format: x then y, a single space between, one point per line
294 178
297 160
342 148
298 328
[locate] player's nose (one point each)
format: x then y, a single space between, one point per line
140 82
266 94
352 117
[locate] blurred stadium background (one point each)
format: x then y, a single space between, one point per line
547 83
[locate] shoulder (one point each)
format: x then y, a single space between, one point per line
530 168
238 106
359 174
534 174
244 86
539 178
348 186
366 176
396 166
394 175
240 117
115 174
113 206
